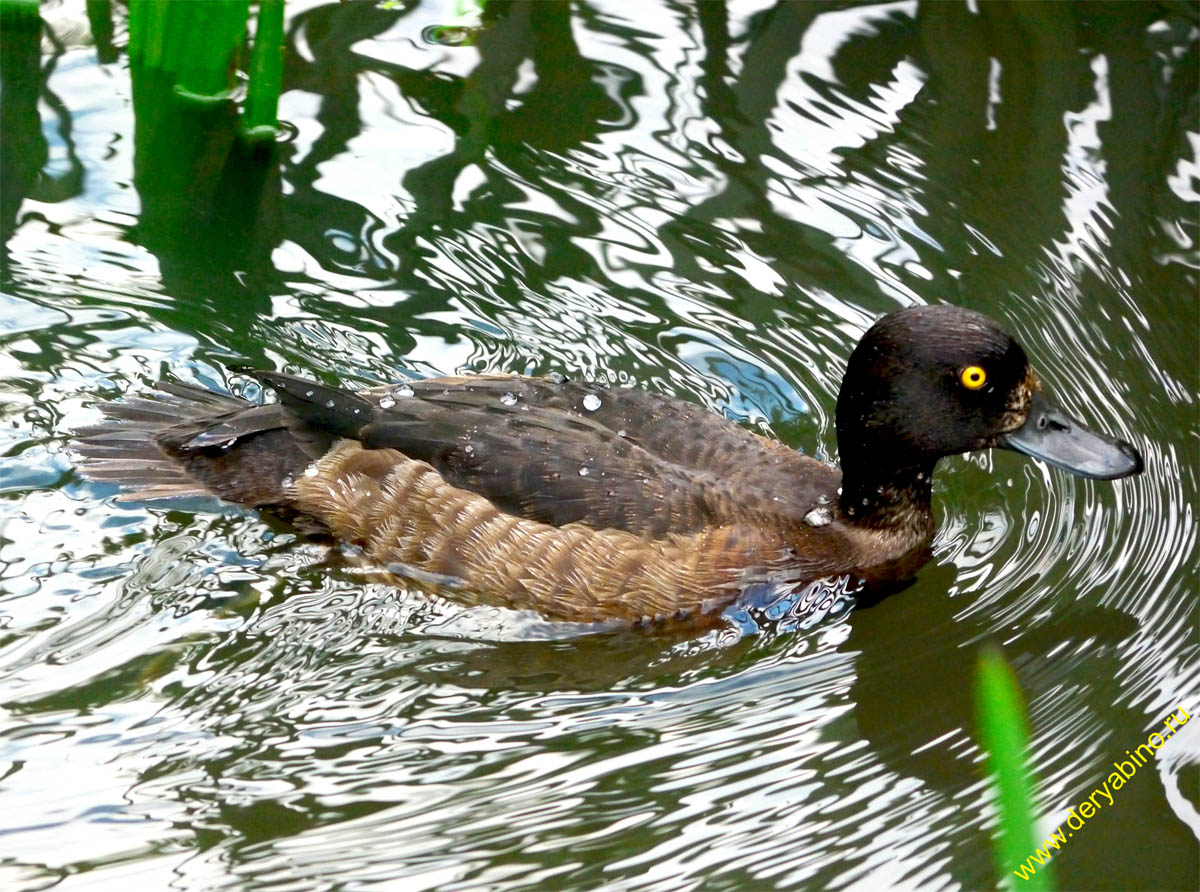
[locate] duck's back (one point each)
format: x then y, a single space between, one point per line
625 459
574 499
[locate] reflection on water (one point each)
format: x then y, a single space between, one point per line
712 201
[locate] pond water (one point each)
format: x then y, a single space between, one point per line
709 201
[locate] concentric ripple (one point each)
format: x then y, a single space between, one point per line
712 201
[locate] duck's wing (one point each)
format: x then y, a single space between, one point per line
560 452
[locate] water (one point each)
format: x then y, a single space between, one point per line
709 202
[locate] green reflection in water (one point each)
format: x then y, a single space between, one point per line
709 200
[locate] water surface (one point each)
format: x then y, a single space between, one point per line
710 201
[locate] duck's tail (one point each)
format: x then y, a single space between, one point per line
182 440
124 448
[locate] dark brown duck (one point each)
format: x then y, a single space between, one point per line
588 503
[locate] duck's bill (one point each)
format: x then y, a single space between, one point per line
1058 439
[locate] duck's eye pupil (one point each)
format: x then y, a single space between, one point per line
972 377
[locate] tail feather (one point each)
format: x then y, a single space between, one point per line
143 410
110 432
122 471
169 491
182 440
98 448
126 448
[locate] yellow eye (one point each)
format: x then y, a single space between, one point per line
972 377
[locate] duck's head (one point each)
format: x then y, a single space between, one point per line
926 382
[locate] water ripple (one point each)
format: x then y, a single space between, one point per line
704 201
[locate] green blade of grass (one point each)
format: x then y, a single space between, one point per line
1004 736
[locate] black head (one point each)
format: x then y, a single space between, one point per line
926 382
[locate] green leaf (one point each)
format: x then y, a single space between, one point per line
1004 737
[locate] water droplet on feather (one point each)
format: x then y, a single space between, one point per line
818 517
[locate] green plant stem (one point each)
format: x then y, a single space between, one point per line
266 71
195 42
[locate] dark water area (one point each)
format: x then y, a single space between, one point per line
707 200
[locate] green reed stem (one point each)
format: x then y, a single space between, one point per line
266 72
196 42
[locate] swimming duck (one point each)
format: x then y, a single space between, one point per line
585 502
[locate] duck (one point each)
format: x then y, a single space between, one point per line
590 503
